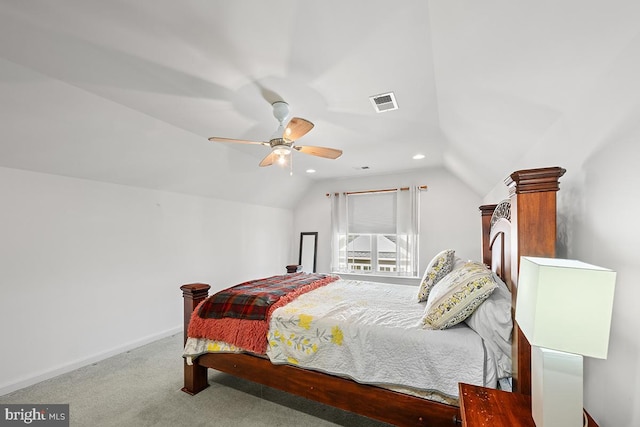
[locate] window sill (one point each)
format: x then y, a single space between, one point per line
399 280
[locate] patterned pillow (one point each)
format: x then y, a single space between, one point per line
456 296
440 266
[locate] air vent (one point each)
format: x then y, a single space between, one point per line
384 102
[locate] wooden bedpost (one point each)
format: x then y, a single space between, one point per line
195 376
533 214
486 211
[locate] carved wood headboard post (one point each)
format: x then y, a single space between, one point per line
486 211
533 218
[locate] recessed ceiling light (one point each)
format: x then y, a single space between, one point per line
311 171
418 157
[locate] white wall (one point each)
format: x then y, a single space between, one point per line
598 142
606 233
89 269
449 213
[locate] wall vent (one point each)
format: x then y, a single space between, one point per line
384 102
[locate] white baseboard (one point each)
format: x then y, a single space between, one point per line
45 375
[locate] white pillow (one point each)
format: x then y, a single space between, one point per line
440 266
457 295
493 322
458 262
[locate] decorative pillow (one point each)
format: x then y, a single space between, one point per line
492 321
457 295
440 266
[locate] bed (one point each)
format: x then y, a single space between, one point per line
523 225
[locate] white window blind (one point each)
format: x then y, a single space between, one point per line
372 213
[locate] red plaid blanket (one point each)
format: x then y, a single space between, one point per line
240 315
252 300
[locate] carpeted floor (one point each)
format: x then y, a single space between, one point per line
142 388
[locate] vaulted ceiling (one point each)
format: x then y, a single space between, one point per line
128 92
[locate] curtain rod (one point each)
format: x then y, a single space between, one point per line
386 190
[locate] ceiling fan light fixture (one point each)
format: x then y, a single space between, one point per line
281 153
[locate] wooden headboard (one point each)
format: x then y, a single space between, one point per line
529 211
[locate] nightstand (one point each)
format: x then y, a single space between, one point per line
487 407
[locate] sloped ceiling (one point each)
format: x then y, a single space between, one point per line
128 92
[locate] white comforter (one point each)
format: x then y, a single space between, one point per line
372 333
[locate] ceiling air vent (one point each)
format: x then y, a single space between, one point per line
384 102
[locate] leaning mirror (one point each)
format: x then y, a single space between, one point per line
308 248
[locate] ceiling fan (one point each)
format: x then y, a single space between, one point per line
283 140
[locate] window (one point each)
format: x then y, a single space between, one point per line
376 232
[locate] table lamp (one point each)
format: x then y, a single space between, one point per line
564 308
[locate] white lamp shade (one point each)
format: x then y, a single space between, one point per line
565 305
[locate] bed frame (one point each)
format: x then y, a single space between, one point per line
527 228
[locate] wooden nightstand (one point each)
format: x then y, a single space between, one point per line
487 407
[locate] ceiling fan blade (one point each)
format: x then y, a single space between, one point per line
237 141
296 128
268 161
327 153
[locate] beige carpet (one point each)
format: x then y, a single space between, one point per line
142 388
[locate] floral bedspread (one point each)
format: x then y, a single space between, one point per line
372 333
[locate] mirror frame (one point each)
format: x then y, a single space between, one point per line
308 242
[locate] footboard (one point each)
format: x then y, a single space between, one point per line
195 376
